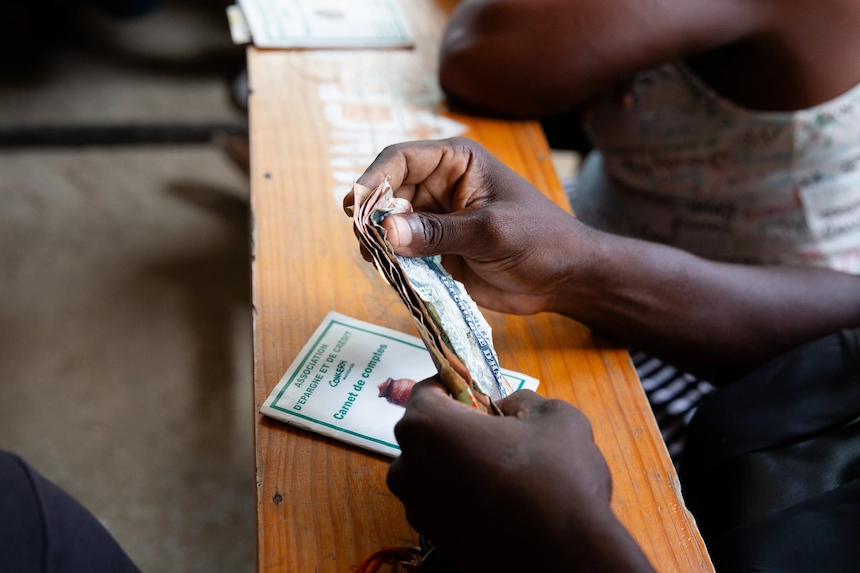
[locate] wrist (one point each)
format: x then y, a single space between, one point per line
604 546
586 255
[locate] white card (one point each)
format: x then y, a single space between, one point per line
326 23
333 385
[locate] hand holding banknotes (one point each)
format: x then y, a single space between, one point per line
516 251
500 235
534 478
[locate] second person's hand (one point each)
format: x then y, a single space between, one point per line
529 491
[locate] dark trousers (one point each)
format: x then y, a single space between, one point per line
44 530
771 467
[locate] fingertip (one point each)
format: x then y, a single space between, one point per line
401 479
433 397
400 232
370 180
394 479
519 402
349 203
431 389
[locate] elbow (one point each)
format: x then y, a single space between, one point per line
467 55
477 66
483 64
461 81
453 77
485 78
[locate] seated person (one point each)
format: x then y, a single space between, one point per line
771 468
770 488
734 135
727 129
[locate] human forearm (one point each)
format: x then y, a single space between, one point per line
605 547
715 319
485 62
533 58
517 252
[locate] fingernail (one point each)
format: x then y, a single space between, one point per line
402 231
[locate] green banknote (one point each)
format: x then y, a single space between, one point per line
449 322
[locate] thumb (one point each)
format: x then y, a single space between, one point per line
428 234
520 403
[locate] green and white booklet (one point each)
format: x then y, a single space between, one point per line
350 382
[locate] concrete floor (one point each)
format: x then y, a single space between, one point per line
125 347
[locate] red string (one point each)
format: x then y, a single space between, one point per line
386 556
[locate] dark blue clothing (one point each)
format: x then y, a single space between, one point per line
771 468
126 8
44 530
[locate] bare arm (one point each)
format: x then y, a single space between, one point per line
717 320
537 57
517 252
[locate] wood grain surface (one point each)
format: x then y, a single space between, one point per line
317 120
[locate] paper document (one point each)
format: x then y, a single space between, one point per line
351 380
326 23
239 30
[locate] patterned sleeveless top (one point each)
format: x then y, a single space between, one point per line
686 167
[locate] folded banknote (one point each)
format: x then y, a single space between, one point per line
449 322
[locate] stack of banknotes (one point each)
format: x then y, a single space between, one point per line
449 322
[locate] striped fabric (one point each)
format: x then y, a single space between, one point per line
674 397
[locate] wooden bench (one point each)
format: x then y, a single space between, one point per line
317 120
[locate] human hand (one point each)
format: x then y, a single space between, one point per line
510 245
525 492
